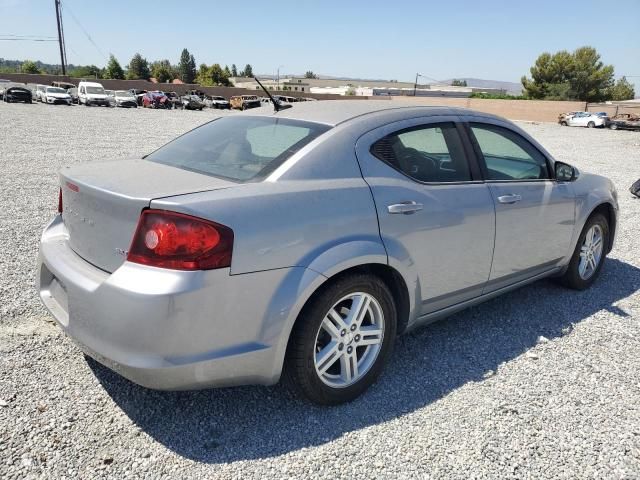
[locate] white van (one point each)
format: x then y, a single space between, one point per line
92 93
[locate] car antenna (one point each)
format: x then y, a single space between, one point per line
277 106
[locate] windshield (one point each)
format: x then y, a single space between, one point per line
217 98
238 148
95 90
55 90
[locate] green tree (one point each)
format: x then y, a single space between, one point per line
138 68
86 71
162 71
227 72
622 90
234 70
187 67
570 76
247 72
29 66
212 76
458 83
310 74
113 69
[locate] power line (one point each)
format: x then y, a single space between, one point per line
28 40
75 19
26 36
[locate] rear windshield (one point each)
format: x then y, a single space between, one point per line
238 148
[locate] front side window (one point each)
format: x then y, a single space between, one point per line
238 148
507 155
432 153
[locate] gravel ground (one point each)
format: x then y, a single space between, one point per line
540 383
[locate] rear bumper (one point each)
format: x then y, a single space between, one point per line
166 329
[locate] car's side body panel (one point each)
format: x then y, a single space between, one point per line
321 212
451 215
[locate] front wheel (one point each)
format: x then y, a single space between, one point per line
342 340
613 126
589 255
591 125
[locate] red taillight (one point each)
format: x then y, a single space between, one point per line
181 242
60 201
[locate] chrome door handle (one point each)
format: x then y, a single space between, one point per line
509 199
405 207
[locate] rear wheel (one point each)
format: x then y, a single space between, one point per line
613 126
589 255
342 340
564 124
591 125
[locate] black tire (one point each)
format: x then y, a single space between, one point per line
571 278
591 125
300 371
564 124
613 126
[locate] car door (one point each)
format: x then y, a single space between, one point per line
578 120
535 214
436 216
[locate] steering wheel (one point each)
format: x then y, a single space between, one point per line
418 164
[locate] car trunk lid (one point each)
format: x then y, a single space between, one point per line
102 203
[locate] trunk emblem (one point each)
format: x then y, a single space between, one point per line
73 187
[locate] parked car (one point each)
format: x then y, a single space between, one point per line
40 93
216 102
156 99
92 93
584 119
138 94
4 84
56 95
244 102
192 102
17 94
306 240
111 96
71 89
604 115
624 121
124 98
174 99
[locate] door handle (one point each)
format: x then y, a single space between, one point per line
509 199
405 207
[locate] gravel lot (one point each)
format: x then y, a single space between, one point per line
540 383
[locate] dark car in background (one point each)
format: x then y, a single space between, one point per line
17 94
624 121
156 99
192 102
174 99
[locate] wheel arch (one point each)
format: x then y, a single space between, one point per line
609 212
314 287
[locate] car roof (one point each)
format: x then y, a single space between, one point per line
334 112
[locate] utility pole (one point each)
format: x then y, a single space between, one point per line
415 85
63 56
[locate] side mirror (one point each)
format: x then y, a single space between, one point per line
565 172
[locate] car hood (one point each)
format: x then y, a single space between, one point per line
125 99
58 95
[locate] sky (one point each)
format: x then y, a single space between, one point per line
488 39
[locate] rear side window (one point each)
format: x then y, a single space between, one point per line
430 153
507 155
238 148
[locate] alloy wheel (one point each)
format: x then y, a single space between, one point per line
590 252
349 340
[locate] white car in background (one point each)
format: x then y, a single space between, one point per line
40 93
584 119
55 95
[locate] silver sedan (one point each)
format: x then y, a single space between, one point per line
300 243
